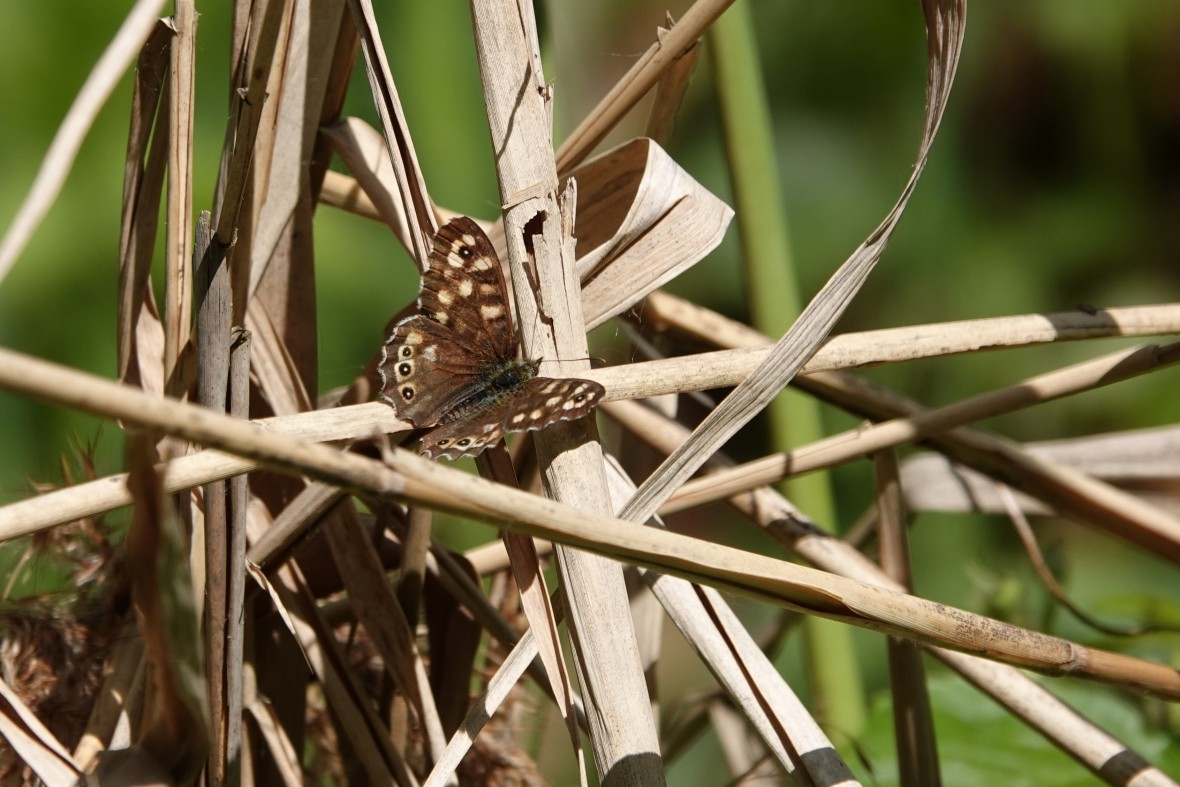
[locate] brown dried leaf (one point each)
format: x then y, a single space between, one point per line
411 185
642 221
140 334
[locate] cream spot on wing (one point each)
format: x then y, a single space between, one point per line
413 337
466 288
468 240
571 404
518 418
487 289
441 317
551 387
482 264
552 401
429 353
491 312
446 297
536 414
453 259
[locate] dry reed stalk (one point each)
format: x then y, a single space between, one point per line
855 444
698 371
411 478
622 732
786 728
663 55
917 750
1036 706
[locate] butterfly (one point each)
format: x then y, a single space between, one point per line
453 367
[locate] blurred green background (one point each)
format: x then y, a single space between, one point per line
1054 182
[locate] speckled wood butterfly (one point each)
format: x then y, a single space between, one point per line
453 365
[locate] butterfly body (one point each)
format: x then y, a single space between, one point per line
498 383
453 367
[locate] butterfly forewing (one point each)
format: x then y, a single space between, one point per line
437 358
453 366
463 288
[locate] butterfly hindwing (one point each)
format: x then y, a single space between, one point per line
538 403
